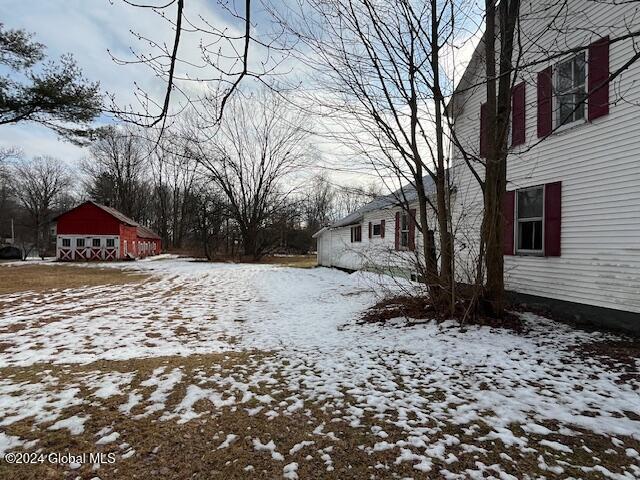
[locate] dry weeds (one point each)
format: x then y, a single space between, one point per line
42 277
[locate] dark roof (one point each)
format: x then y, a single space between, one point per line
142 231
405 193
115 213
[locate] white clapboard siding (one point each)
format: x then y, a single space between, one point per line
598 164
336 250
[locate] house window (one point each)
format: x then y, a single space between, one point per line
66 242
79 242
404 230
356 234
570 90
95 242
376 229
530 215
110 242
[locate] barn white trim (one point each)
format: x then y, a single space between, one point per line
82 247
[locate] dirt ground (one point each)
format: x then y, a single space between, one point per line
16 278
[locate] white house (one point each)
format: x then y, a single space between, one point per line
572 229
379 236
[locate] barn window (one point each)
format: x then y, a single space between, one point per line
110 242
404 230
530 215
66 242
79 242
356 234
570 90
95 242
376 229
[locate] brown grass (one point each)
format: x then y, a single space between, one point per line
40 278
298 261
168 450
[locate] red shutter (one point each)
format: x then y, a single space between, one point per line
552 218
598 78
351 234
545 104
508 210
397 230
412 229
483 130
382 228
370 230
518 125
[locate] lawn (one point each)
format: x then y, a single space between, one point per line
204 370
28 277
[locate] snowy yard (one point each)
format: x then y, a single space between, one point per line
260 371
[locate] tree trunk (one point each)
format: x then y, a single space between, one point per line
498 110
446 243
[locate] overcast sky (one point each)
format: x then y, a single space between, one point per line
89 29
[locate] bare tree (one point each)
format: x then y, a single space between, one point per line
116 170
174 180
40 187
318 203
225 58
255 149
512 51
378 68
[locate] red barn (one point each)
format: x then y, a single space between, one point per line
92 231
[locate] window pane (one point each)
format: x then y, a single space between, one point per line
565 76
404 239
80 242
579 70
530 203
565 109
405 221
96 242
530 235
376 229
579 99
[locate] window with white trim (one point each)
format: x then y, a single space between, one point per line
356 234
377 228
79 242
530 220
111 242
95 242
404 230
571 90
66 242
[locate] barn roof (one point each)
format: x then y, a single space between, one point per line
115 213
142 231
406 193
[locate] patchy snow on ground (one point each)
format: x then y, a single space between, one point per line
419 379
